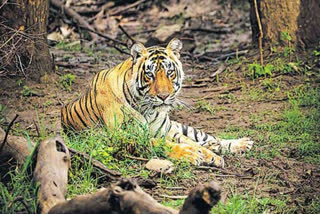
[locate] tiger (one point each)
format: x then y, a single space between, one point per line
146 86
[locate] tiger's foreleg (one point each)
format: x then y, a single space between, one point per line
179 132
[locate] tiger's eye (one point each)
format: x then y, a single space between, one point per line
170 72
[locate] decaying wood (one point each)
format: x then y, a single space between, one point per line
53 162
201 199
126 197
16 147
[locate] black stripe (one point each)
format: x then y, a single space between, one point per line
205 137
169 127
86 105
184 130
155 118
164 121
68 119
95 94
91 105
105 75
195 135
81 108
175 135
122 64
80 118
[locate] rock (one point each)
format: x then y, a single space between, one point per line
160 166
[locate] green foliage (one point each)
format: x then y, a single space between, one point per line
296 128
66 46
20 185
271 85
256 70
250 204
316 53
288 49
112 146
27 92
285 36
2 109
203 105
19 82
66 81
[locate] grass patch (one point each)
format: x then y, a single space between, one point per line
114 148
20 186
246 204
294 133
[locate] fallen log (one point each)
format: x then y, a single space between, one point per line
124 197
15 147
53 163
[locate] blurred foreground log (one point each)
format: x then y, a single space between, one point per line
16 147
124 197
53 163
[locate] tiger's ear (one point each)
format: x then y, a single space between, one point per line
175 45
138 50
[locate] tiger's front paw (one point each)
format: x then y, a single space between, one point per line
196 154
237 146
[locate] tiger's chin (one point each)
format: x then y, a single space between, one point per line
163 107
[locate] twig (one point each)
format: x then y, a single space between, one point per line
7 132
111 174
217 31
20 198
260 31
176 188
5 2
110 39
221 170
175 197
103 35
136 158
225 56
70 12
127 34
142 32
37 128
117 12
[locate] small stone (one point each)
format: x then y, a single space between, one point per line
161 166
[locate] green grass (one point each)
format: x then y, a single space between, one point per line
245 204
296 128
21 185
114 148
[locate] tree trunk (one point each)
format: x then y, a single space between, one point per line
23 42
299 19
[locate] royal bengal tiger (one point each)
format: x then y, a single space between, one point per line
146 86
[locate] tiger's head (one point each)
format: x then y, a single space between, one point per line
159 74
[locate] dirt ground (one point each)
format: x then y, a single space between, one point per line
279 177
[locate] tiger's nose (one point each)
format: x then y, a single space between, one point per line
163 96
